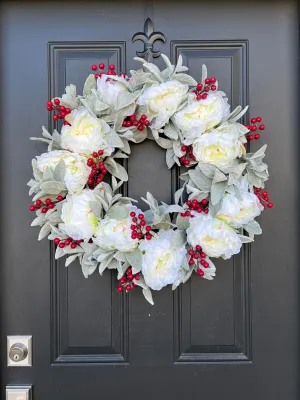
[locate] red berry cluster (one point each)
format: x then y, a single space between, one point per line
197 256
186 159
195 205
139 227
47 205
202 90
263 197
98 171
256 124
126 281
61 111
111 70
68 242
140 123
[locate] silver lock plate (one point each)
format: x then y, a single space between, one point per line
18 392
14 346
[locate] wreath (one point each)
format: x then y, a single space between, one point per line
77 182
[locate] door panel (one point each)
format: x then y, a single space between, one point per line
235 337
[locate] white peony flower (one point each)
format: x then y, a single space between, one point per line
163 100
85 134
109 90
236 212
216 238
221 146
115 234
201 116
162 259
77 171
79 221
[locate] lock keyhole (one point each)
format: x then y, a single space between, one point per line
18 352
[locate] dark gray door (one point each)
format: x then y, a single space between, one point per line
235 337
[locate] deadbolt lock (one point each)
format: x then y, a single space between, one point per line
18 352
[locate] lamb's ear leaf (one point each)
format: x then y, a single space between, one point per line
148 296
90 84
217 192
45 230
177 195
59 171
70 259
134 258
253 228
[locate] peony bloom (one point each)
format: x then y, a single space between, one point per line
221 146
216 238
115 234
109 90
236 212
85 134
162 260
163 100
201 116
77 171
79 221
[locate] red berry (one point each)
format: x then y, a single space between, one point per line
199 210
250 137
59 198
202 254
94 67
196 256
120 289
100 152
68 110
253 120
143 222
44 210
191 261
48 201
140 127
51 205
198 97
199 87
213 87
148 228
213 80
148 236
38 203
207 88
32 208
270 205
198 247
204 96
258 119
55 117
49 103
132 214
187 162
95 154
61 245
204 202
68 242
205 211
112 67
265 193
187 214
146 122
143 117
123 280
56 101
135 123
56 240
262 127
128 288
101 66
257 136
200 272
206 265
141 216
73 245
191 252
139 235
130 277
90 181
207 81
49 108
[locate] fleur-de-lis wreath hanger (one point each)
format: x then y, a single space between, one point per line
148 37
